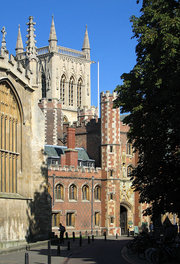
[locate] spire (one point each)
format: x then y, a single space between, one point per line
86 41
19 44
52 37
86 45
31 50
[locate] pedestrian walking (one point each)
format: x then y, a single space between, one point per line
62 230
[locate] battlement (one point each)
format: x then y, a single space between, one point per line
107 96
16 69
73 169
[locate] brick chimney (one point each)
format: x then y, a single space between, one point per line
70 152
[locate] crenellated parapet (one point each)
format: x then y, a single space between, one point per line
86 114
66 168
107 96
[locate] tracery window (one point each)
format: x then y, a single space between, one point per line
97 193
79 90
59 192
71 95
73 192
62 89
10 138
85 192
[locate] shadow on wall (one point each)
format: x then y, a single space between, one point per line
39 212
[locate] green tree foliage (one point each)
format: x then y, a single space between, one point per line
151 93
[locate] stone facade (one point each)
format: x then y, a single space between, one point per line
24 199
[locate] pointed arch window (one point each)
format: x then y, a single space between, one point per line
59 192
79 91
71 90
97 193
62 88
73 192
10 138
85 192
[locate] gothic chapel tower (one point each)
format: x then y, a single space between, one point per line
65 75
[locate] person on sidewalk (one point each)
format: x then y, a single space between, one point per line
62 230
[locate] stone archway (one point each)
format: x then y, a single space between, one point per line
123 220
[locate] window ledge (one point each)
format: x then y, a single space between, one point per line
59 200
13 196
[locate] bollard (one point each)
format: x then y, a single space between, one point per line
66 235
69 246
93 238
116 236
49 252
73 236
128 232
89 240
80 240
105 236
58 250
26 258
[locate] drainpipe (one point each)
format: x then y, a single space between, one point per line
92 202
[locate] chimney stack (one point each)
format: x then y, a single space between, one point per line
70 152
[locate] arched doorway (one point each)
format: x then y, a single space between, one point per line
123 220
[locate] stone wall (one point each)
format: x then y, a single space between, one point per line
25 212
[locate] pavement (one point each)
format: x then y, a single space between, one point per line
37 253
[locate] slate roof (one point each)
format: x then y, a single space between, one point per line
56 151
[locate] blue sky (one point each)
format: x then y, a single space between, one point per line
109 29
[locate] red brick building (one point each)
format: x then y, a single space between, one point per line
89 175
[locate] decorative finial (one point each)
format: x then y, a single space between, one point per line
86 45
19 44
3 42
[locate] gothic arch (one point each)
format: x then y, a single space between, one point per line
127 205
5 80
71 89
79 91
63 83
11 118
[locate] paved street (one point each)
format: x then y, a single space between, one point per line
99 251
